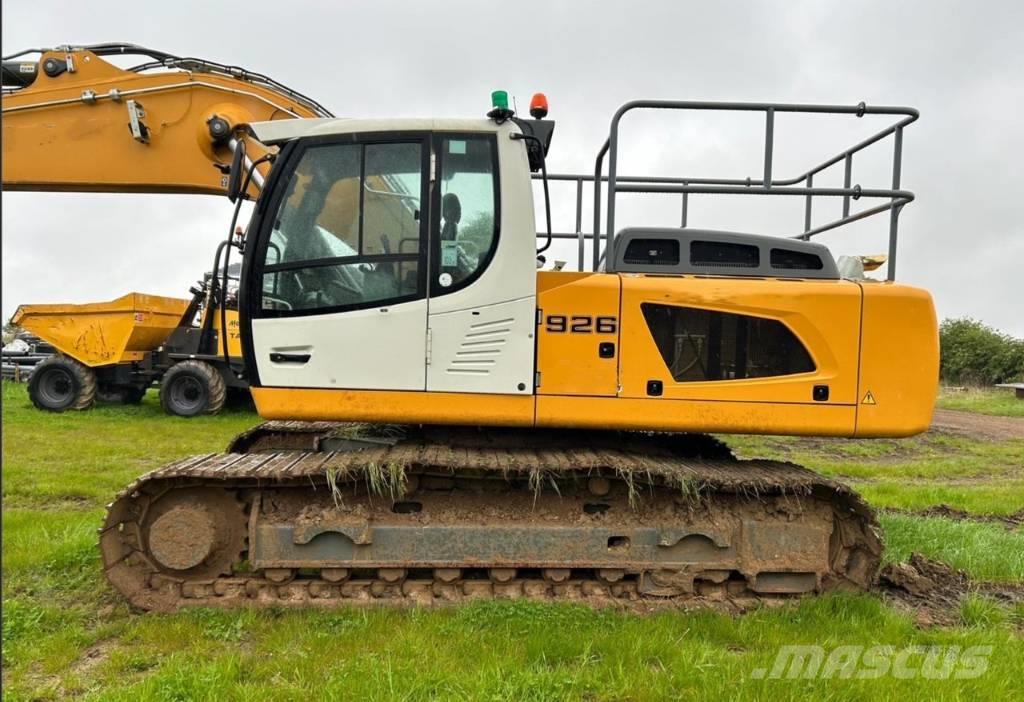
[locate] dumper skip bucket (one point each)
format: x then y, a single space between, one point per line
104 333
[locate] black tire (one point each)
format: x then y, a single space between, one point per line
61 383
191 388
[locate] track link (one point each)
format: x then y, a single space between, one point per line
442 515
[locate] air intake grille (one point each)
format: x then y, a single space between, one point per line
724 254
652 252
796 260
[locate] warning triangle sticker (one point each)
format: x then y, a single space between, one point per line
869 399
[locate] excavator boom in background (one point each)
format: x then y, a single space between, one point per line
166 125
73 121
532 432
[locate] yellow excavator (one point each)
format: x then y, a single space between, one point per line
453 418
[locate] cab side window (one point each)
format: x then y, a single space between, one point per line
467 222
347 233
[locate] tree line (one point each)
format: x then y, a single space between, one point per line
974 353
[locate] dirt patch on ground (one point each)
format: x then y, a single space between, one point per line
93 656
1010 521
961 481
981 426
932 592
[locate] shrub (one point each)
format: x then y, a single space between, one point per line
10 331
975 354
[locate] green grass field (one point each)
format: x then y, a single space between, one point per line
1000 402
66 635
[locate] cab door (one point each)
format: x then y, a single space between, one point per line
337 286
483 281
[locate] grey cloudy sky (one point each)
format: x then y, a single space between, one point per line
961 64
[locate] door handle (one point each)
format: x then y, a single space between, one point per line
299 358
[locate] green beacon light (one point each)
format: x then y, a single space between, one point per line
499 110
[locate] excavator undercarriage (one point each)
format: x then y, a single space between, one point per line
321 514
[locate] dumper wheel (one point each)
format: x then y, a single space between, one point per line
61 383
191 388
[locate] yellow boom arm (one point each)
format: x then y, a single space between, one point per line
74 121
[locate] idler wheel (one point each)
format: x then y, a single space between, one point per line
195 532
182 537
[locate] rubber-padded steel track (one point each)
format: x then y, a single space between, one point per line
442 515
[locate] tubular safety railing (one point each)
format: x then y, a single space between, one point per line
799 186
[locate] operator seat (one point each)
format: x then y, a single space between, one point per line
451 213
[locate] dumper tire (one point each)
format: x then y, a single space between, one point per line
191 388
61 383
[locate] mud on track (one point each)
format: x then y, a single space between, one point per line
445 514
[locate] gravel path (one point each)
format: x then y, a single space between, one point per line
979 425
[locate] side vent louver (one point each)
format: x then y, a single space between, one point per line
479 351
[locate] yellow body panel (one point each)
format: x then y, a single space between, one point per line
899 363
394 406
897 359
823 315
660 414
234 339
569 363
102 333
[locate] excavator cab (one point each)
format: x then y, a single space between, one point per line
392 257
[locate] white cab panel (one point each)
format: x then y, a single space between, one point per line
375 349
279 130
488 349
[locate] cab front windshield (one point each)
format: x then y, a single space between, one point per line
349 232
351 213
